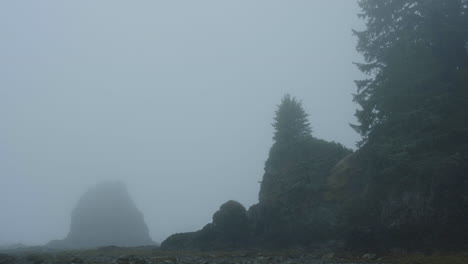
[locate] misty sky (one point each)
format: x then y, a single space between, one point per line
175 98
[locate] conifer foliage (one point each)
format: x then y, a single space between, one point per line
417 60
412 117
290 122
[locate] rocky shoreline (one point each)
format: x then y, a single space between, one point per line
154 255
171 258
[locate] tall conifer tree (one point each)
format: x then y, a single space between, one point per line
413 119
417 61
290 122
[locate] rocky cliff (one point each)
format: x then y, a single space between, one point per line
297 203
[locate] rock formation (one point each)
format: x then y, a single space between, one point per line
106 215
299 202
230 229
296 205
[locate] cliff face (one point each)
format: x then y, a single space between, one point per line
416 201
106 215
314 191
296 205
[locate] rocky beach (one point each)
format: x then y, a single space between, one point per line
154 255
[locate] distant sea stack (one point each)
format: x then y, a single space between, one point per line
106 215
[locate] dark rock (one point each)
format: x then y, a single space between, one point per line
76 260
415 203
38 258
186 241
230 229
161 260
130 259
298 203
231 223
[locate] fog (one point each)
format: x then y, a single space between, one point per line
174 98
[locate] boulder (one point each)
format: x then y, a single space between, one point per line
229 229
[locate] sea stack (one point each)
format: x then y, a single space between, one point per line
106 215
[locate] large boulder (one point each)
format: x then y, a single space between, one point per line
231 222
106 215
230 229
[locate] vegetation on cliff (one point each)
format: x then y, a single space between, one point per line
293 208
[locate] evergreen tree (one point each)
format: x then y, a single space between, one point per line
416 57
414 107
290 122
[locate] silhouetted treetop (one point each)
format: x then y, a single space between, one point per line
290 122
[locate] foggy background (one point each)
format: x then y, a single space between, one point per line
175 98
